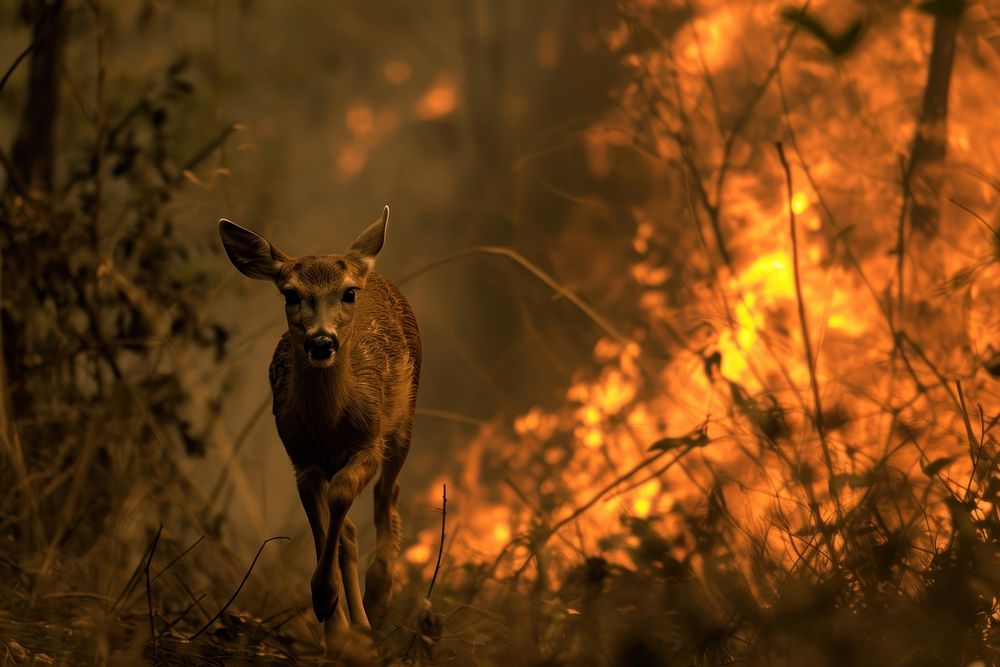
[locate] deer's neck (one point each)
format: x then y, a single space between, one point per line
323 391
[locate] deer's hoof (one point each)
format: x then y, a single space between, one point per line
324 598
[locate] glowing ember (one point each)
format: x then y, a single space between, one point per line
800 202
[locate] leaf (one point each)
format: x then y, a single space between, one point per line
848 479
992 492
125 162
696 438
992 365
179 66
942 7
806 531
768 419
182 86
803 473
837 44
938 464
841 235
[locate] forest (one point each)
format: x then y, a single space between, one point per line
708 294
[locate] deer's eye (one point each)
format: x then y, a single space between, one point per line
292 297
350 295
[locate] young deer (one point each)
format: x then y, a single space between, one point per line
344 378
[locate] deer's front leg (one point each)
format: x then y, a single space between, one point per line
312 485
343 488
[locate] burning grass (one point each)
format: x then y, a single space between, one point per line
809 477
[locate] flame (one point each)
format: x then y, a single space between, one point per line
750 332
800 202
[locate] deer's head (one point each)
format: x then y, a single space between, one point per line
321 292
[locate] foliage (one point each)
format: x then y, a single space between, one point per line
103 313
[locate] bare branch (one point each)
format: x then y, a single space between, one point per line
232 598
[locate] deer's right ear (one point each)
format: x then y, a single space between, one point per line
250 253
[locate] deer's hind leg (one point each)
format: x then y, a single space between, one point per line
388 528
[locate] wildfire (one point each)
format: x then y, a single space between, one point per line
882 313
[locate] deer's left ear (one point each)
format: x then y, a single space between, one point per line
370 242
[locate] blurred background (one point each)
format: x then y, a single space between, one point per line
648 358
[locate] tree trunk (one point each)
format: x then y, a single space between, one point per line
32 163
925 172
33 149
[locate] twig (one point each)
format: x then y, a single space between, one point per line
232 598
184 613
15 179
17 61
448 415
973 443
100 144
534 270
134 578
980 446
149 589
994 232
206 150
179 556
235 450
520 494
444 514
417 632
901 244
651 476
804 324
648 461
714 210
31 47
840 232
190 593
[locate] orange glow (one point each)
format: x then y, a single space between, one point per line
642 506
418 554
438 101
800 202
501 533
350 161
397 72
736 328
360 120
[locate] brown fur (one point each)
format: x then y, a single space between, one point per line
325 414
345 419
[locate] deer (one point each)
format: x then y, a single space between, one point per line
344 380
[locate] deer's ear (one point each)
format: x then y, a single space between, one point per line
370 242
250 253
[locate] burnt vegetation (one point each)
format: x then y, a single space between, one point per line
777 446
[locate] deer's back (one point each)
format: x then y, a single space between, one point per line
324 415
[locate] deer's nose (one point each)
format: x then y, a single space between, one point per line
322 346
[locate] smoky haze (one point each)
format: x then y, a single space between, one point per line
429 111
463 117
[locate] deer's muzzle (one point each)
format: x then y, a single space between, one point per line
322 347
